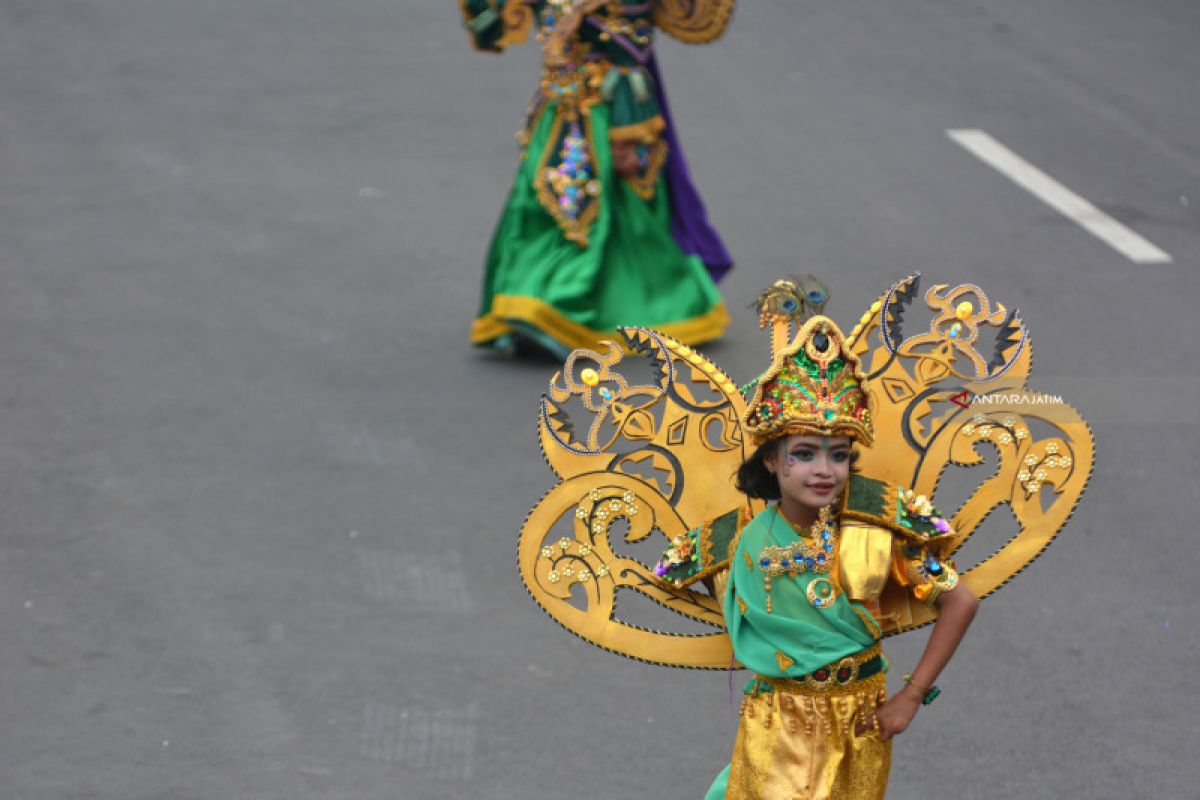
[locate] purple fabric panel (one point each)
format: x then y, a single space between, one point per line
689 221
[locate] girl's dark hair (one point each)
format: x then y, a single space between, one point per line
753 479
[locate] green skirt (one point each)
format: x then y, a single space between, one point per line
565 295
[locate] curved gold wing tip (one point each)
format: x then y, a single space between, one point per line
638 339
907 279
561 430
610 648
546 456
670 344
1035 556
1086 481
615 652
605 647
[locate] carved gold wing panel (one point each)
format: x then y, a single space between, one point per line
640 461
955 393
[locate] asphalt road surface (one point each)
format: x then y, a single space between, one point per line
259 499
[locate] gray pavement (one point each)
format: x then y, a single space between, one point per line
260 500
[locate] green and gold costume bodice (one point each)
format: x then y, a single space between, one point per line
794 602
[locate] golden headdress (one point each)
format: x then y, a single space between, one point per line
814 385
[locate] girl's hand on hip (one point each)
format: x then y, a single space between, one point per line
892 717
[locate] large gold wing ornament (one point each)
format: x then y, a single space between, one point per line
955 391
642 460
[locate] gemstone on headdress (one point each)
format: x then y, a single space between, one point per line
821 342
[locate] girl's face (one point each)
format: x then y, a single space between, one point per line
812 470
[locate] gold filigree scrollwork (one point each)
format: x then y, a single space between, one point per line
693 21
1061 463
589 377
634 436
946 398
518 18
959 315
551 569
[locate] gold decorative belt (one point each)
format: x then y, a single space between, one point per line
857 667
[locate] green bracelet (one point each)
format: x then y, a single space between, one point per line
928 694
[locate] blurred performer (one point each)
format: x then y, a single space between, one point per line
603 226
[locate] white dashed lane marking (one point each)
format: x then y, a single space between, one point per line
1059 197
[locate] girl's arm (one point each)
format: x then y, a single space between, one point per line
956 609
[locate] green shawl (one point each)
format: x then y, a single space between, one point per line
795 638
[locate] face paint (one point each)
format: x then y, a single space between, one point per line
813 473
789 460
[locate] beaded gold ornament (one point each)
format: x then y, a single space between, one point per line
814 553
821 592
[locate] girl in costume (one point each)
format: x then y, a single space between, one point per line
602 226
804 585
803 566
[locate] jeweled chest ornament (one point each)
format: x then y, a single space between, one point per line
812 553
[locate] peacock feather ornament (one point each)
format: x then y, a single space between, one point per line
646 435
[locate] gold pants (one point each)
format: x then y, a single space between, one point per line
799 743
